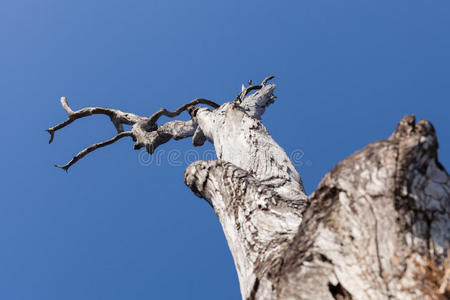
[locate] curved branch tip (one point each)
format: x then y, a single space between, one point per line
52 135
65 168
66 106
267 79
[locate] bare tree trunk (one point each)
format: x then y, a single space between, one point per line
377 227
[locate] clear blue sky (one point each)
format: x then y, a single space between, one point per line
113 228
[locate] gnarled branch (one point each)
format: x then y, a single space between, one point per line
171 114
145 130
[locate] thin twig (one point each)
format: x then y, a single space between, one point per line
91 148
164 112
267 79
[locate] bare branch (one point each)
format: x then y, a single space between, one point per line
117 117
145 131
164 112
240 97
91 148
151 140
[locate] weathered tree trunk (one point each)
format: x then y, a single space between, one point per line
377 227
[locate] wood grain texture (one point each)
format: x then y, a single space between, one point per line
377 227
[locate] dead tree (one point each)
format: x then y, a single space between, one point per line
377 227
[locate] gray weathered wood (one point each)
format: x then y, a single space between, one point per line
377 227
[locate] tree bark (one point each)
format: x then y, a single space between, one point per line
377 227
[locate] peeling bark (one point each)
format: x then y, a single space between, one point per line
377 227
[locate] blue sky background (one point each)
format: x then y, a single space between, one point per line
115 228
